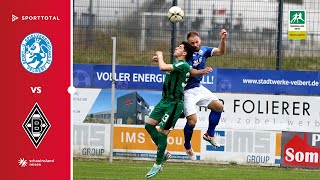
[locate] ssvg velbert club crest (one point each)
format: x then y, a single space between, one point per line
36 53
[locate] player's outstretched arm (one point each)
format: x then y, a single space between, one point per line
223 44
195 72
162 65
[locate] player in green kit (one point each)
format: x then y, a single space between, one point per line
168 110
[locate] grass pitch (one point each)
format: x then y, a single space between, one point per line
128 169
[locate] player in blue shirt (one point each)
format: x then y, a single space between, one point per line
196 94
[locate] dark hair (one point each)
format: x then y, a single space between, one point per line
188 48
192 33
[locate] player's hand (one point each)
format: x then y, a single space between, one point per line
223 34
207 70
159 53
155 58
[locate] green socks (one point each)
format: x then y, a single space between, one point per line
159 139
153 132
162 145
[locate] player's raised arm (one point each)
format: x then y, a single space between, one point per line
162 65
223 44
195 72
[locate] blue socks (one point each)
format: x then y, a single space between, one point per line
214 119
188 130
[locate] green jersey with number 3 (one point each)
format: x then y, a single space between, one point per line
169 109
176 80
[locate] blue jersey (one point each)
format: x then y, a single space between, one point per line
198 61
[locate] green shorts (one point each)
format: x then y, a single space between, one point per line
167 112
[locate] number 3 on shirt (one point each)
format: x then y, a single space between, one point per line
165 118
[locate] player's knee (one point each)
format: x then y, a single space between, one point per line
216 105
192 120
219 107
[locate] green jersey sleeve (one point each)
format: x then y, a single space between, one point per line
181 66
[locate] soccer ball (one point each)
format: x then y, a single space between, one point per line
175 14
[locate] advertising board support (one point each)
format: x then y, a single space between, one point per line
114 43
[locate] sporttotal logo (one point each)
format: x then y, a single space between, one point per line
36 53
301 149
36 125
35 18
14 18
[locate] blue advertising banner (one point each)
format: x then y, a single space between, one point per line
83 75
127 77
268 81
220 80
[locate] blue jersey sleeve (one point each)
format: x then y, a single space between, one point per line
198 61
208 51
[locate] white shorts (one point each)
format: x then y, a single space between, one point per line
199 96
